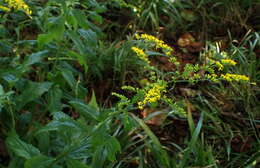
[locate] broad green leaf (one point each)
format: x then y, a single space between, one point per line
44 39
109 144
19 147
80 58
64 125
68 76
84 109
55 27
90 36
40 161
77 41
34 58
43 142
54 99
96 17
32 91
60 116
81 18
72 20
60 122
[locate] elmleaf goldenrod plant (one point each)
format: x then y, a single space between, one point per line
153 93
127 84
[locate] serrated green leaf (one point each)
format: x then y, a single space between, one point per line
19 147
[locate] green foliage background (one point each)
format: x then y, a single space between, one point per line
54 61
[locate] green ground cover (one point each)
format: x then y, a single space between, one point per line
125 84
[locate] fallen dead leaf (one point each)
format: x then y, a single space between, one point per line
155 116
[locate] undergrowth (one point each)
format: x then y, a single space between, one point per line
147 84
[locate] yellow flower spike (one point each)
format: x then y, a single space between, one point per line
19 5
228 62
137 36
234 77
158 43
141 54
212 77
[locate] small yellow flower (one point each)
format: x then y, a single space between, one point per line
141 54
219 66
158 43
19 5
228 62
140 105
234 77
212 77
153 95
173 60
168 53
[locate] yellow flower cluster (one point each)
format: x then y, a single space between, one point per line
152 96
212 77
4 8
234 77
228 62
141 54
158 43
219 66
19 5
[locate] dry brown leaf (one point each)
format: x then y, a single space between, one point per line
185 40
157 119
